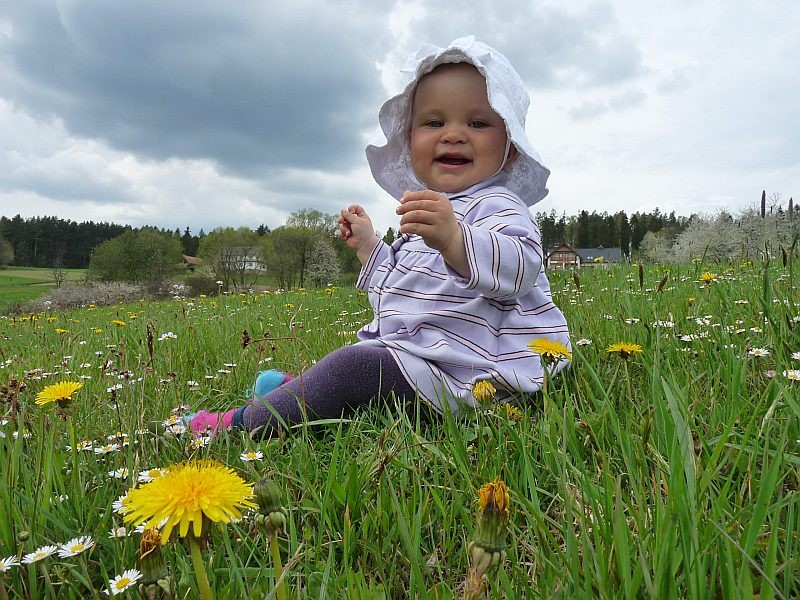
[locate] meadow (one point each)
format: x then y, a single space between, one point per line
669 470
20 284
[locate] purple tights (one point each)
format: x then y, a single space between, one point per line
344 380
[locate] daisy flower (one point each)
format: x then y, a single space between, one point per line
758 352
106 449
251 455
150 474
792 374
120 583
39 554
190 493
8 562
583 342
121 473
120 505
75 546
201 441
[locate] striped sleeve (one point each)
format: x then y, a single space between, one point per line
378 255
503 246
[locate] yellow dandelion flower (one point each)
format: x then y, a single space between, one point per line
61 331
550 349
58 392
511 412
708 277
624 349
483 391
118 323
188 493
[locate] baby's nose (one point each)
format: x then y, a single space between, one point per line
453 134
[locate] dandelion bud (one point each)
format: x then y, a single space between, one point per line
151 558
490 540
272 514
483 391
23 536
487 549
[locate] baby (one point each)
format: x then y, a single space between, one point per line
458 296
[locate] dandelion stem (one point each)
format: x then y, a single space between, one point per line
277 567
48 583
200 569
76 472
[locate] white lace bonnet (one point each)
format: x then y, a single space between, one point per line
391 164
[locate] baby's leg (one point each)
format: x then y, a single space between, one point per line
345 379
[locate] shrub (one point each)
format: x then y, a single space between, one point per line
83 294
201 284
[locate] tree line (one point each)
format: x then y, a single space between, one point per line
306 251
51 241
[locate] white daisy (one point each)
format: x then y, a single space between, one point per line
8 562
120 583
119 505
75 546
758 352
106 449
201 441
792 374
251 455
39 554
177 429
150 474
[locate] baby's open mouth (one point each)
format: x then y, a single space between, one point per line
453 160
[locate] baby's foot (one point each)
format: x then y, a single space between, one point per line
268 381
205 420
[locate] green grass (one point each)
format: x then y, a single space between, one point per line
18 285
671 474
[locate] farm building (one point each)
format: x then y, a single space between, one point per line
565 256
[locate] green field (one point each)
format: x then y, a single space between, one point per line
672 473
21 284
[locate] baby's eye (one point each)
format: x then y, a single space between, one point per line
478 124
434 123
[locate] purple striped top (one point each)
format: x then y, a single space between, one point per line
448 332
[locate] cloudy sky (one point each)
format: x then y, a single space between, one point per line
216 113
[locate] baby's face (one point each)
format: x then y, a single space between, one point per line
456 139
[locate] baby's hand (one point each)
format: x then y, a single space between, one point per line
355 228
430 215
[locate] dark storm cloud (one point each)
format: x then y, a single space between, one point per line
549 45
255 86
